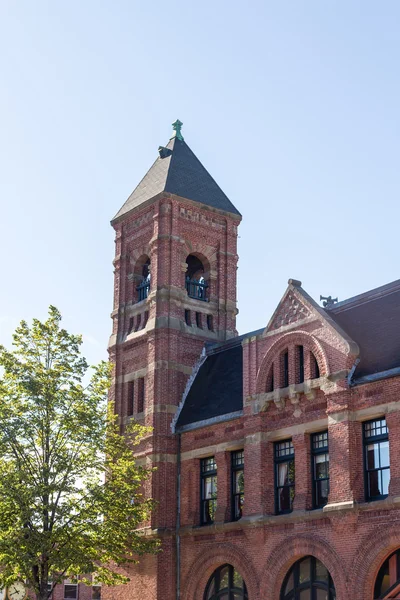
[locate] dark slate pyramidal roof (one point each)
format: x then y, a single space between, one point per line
178 171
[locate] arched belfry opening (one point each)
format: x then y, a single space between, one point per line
196 278
142 272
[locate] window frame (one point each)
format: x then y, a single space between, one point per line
312 584
204 475
278 460
314 453
76 590
231 591
368 440
236 467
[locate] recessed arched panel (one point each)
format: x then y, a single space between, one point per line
308 579
226 583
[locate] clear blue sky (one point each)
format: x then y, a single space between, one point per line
292 106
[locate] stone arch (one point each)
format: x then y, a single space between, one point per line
138 255
205 564
140 265
206 254
373 550
289 339
283 556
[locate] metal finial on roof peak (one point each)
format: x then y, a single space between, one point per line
177 126
328 301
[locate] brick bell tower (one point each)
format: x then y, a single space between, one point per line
174 290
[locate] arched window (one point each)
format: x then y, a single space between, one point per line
196 278
308 579
226 584
387 584
143 277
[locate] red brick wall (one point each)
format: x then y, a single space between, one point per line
350 536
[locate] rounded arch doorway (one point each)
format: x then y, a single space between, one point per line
308 579
226 584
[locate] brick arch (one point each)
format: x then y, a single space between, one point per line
202 251
137 253
373 550
283 556
289 339
205 564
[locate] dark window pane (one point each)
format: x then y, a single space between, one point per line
283 474
237 580
290 584
321 466
96 592
224 578
373 456
211 589
322 491
239 481
308 579
321 572
283 449
373 484
285 499
304 570
70 591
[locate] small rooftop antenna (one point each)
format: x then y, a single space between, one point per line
328 301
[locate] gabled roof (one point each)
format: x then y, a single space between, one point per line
178 171
372 319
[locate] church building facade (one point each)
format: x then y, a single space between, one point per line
277 452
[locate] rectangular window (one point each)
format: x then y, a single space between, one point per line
131 391
286 369
237 466
70 591
208 490
284 476
198 320
376 459
140 407
320 468
210 322
49 587
96 592
187 317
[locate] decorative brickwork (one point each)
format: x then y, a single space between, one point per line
351 537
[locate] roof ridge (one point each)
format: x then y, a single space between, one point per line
201 165
365 297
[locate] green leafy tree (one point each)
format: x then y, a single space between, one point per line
71 499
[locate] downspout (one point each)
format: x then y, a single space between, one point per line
178 520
